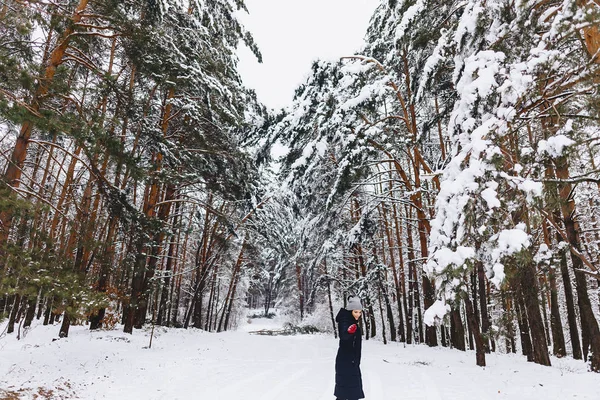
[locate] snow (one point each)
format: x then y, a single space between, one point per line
490 195
511 241
436 312
554 146
185 364
445 257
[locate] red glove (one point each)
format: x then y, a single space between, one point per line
352 328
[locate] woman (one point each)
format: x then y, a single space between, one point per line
348 379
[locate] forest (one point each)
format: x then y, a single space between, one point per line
448 174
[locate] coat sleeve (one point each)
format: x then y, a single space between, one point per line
343 331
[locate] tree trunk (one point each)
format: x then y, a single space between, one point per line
508 323
13 314
30 312
523 326
300 290
559 346
48 310
415 300
530 291
589 325
444 335
544 312
558 338
402 280
389 312
383 321
166 283
228 305
331 307
390 242
474 326
66 324
457 330
164 210
40 306
485 319
569 300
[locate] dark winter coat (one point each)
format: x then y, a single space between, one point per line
348 379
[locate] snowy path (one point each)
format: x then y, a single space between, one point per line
197 365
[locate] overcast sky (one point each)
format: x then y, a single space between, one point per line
293 33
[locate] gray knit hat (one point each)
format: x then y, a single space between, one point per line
353 304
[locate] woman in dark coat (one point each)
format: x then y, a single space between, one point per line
348 379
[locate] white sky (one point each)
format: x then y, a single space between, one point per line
293 33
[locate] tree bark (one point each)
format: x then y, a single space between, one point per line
485 319
589 324
390 243
457 330
13 314
523 326
66 324
530 291
30 312
474 326
228 305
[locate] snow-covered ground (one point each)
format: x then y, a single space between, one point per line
192 364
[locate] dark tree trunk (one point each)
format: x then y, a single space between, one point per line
485 318
30 312
508 323
372 319
13 314
48 310
474 327
383 333
3 301
174 308
417 305
97 318
589 325
443 331
230 305
559 347
66 324
428 296
366 324
105 264
389 312
457 330
300 289
544 310
470 336
40 307
523 326
137 286
409 311
530 291
569 300
211 299
331 308
474 294
545 314
198 309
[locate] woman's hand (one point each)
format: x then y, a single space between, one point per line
352 328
